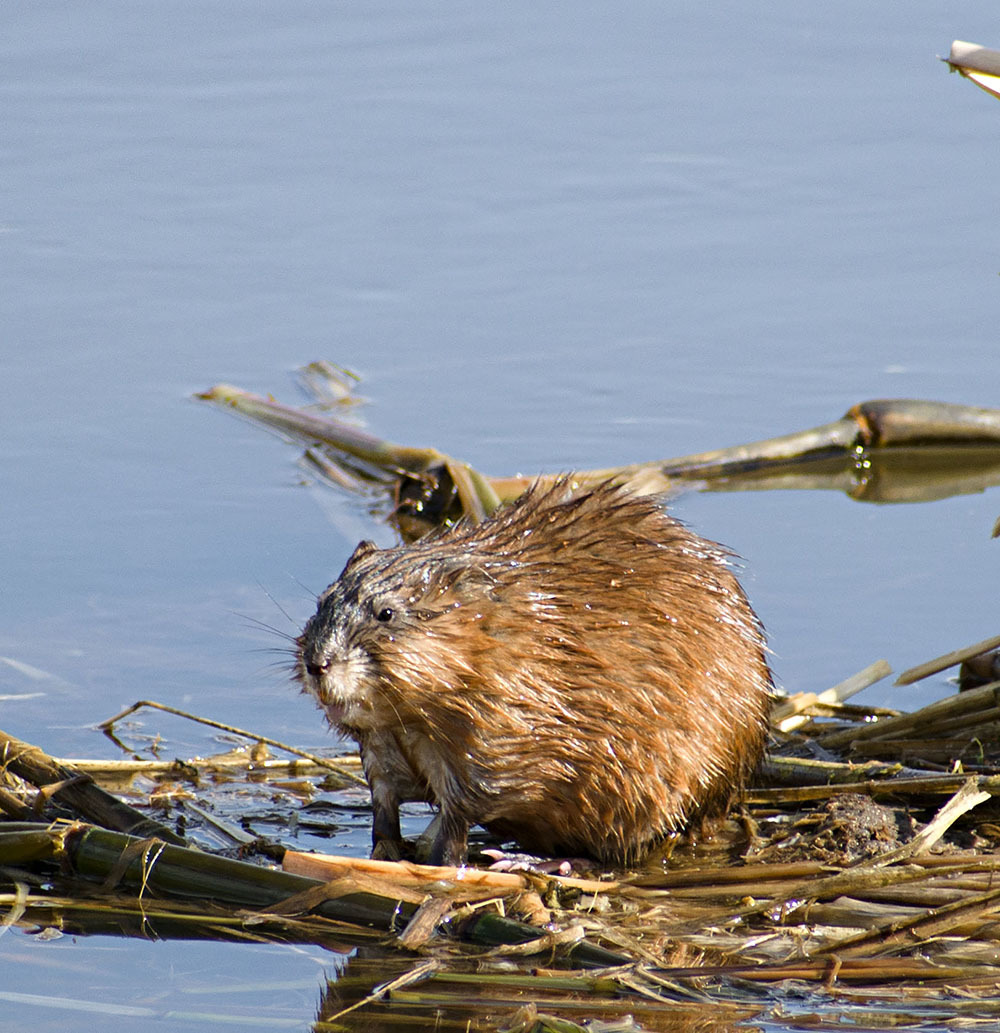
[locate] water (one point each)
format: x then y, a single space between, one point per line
549 239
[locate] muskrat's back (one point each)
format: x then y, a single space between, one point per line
580 672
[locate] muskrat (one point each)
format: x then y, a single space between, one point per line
580 673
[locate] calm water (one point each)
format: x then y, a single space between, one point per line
548 239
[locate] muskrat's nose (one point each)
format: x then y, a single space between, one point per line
317 668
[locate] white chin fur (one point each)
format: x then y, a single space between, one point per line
341 693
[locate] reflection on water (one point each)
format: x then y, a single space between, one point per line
486 998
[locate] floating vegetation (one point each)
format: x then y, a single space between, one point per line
886 450
839 880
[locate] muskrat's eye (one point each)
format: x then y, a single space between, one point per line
384 614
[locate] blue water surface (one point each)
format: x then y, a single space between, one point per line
549 238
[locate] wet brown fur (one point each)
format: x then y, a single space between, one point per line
581 673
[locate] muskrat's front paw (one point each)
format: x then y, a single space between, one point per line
387 850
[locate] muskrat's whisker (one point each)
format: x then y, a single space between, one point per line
291 620
256 624
305 588
280 650
288 667
384 695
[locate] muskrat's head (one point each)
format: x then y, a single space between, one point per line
383 635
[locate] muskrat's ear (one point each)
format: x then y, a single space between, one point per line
465 579
365 548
